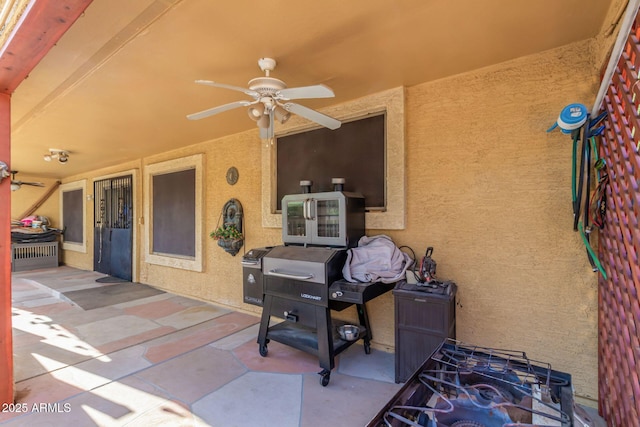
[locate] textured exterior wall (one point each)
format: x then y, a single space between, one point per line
486 187
24 198
491 191
604 41
222 278
85 260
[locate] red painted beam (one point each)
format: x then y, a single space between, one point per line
6 344
40 28
43 24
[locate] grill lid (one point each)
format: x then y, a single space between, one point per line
311 264
299 253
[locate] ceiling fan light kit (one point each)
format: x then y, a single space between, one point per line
256 111
54 153
268 104
282 115
263 122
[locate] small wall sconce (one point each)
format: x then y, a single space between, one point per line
54 153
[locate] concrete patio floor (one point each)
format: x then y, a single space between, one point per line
167 360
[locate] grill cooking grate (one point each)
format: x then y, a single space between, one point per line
484 386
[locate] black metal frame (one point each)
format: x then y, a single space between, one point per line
321 340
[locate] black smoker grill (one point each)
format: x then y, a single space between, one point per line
469 386
252 279
302 285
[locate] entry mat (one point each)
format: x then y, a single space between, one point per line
103 296
110 279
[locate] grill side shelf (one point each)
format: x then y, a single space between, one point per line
357 293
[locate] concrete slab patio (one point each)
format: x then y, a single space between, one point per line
167 360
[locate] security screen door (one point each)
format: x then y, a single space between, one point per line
112 233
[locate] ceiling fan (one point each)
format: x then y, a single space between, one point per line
15 185
271 101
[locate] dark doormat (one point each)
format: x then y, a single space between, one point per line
104 296
110 279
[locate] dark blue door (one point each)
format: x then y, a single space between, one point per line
112 236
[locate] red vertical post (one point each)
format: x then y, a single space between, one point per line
6 340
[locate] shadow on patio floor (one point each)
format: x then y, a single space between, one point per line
168 360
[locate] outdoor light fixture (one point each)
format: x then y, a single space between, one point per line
282 115
261 113
256 111
263 121
54 153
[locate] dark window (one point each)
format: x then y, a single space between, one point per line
72 216
174 218
355 152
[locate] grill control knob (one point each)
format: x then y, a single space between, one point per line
336 294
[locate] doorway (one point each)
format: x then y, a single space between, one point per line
113 236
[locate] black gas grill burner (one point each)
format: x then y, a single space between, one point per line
471 386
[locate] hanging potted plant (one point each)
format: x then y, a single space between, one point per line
229 238
229 234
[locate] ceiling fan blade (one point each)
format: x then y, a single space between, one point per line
218 109
225 86
306 92
34 184
313 115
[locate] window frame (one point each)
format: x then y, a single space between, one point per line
68 187
391 102
195 263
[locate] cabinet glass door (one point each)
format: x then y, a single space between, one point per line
328 218
296 224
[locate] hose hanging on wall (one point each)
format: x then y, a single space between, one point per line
575 120
598 198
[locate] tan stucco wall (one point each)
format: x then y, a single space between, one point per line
491 191
27 196
486 186
603 43
84 260
222 278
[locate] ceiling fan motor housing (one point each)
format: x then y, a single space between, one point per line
266 85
